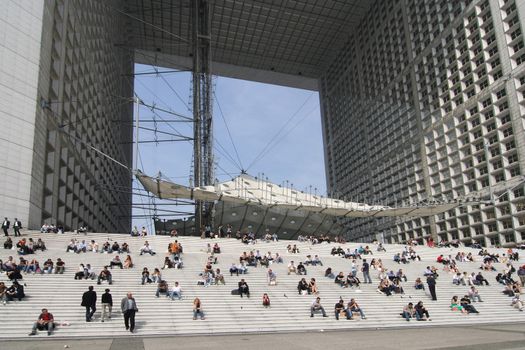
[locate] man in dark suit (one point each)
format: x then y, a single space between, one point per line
431 281
17 225
129 308
5 226
89 301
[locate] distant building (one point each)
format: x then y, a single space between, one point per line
409 105
61 70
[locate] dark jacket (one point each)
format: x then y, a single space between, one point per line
107 299
431 281
89 298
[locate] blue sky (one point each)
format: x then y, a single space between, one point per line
254 112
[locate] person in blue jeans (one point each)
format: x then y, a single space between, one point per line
353 306
366 272
175 291
410 312
316 306
197 309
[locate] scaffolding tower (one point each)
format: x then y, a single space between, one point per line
202 107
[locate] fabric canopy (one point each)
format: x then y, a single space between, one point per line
248 190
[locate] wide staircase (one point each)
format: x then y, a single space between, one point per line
226 313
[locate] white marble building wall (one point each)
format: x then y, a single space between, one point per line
20 43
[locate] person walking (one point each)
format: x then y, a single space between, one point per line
366 272
107 304
128 306
431 281
89 301
17 225
5 226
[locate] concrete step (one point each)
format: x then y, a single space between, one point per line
226 313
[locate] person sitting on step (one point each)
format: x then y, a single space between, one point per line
474 294
302 287
242 268
340 279
353 306
409 312
115 248
308 260
60 266
292 268
105 275
312 286
422 312
93 246
81 273
81 247
128 263
264 261
234 270
385 287
271 277
156 276
197 309
116 262
16 291
3 293
48 266
72 246
146 276
458 279
317 261
90 273
339 308
45 321
352 280
175 291
456 306
301 269
106 248
243 288
467 305
266 300
8 244
219 277
162 287
168 264
480 279
517 302
316 306
147 249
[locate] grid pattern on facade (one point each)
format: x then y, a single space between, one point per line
428 91
297 37
89 95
